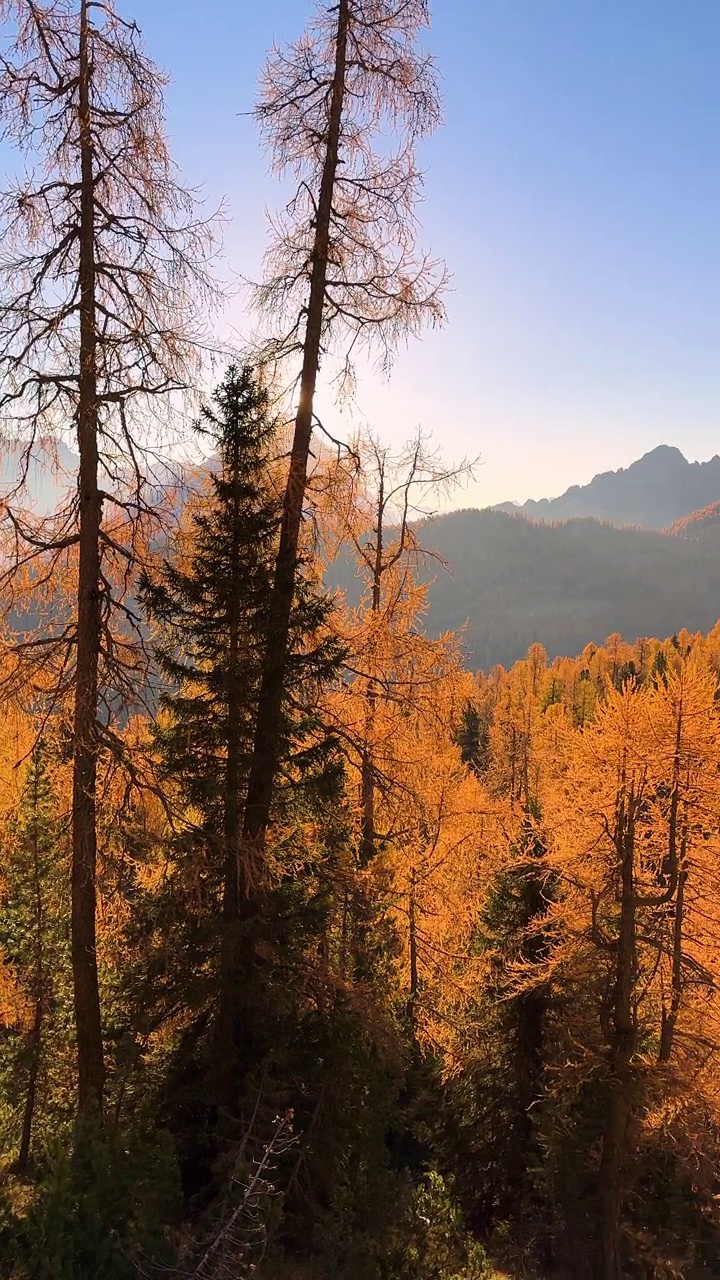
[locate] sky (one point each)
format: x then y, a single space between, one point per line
574 190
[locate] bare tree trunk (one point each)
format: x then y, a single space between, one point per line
412 927
31 1095
670 1015
266 747
614 1147
532 1007
367 791
344 932
675 870
35 1038
624 1034
367 768
91 1070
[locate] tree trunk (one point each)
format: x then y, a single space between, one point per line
412 930
91 1070
35 1038
367 769
670 1015
31 1095
266 747
623 1038
612 1191
675 870
531 1019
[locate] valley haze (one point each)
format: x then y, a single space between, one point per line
634 551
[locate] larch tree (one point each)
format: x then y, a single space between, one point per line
516 730
375 515
437 868
633 813
343 270
103 266
401 698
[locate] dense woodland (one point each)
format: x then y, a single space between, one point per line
320 956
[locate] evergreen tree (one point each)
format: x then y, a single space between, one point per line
36 1057
492 1110
472 739
210 607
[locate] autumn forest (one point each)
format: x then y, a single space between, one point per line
321 953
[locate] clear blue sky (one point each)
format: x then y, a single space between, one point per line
575 192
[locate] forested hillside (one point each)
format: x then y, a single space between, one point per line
512 582
322 957
442 1018
700 526
508 582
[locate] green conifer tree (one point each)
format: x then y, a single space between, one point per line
491 1112
36 1060
211 610
472 739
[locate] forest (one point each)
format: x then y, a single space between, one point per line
321 955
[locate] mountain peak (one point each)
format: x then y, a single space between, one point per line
655 491
664 451
665 455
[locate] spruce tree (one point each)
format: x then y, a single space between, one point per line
492 1112
36 1054
211 609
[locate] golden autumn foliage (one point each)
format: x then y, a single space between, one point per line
535 850
320 955
511 879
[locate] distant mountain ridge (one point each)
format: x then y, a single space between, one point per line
513 582
562 582
658 491
654 492
43 479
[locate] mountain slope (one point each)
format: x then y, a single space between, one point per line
514 582
51 473
701 526
658 489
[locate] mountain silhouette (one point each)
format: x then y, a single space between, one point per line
654 492
42 478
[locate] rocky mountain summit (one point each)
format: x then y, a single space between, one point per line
654 492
